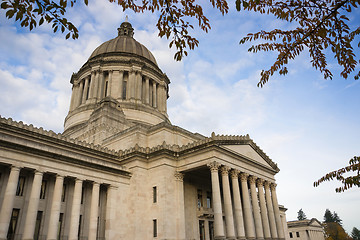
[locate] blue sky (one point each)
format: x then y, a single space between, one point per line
307 125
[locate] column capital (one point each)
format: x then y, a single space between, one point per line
267 184
252 179
234 173
273 186
260 182
214 166
37 172
15 168
78 180
179 176
244 176
225 170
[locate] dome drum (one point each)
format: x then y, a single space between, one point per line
123 70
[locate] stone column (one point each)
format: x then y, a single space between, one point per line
237 205
116 84
110 80
218 219
55 208
80 94
101 84
154 95
131 86
72 99
248 217
256 209
94 209
263 209
180 218
270 209
33 206
110 216
75 210
229 218
279 226
93 82
138 84
147 90
85 92
8 201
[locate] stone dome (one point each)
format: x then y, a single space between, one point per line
124 43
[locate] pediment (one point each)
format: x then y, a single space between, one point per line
249 152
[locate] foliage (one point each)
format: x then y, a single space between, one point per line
332 217
355 234
319 25
334 231
301 215
347 181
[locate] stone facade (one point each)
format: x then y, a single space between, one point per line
308 229
121 170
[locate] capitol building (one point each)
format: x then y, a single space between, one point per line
121 170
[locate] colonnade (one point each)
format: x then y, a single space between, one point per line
131 85
251 213
55 207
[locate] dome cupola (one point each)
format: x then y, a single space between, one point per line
118 87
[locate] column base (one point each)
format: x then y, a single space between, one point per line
241 238
219 238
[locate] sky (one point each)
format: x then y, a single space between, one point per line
307 125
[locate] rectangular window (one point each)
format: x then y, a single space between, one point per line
199 198
43 189
297 234
13 223
154 228
208 199
63 194
154 195
211 230
20 186
202 229
61 217
291 235
38 225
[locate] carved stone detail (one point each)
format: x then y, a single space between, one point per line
225 170
179 176
214 166
234 173
244 176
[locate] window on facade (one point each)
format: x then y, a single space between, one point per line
20 186
154 228
291 235
38 225
199 198
208 199
211 230
61 217
13 223
297 234
154 194
63 194
202 229
43 189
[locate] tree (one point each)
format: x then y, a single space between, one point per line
328 216
334 231
355 234
337 218
347 181
319 26
301 215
